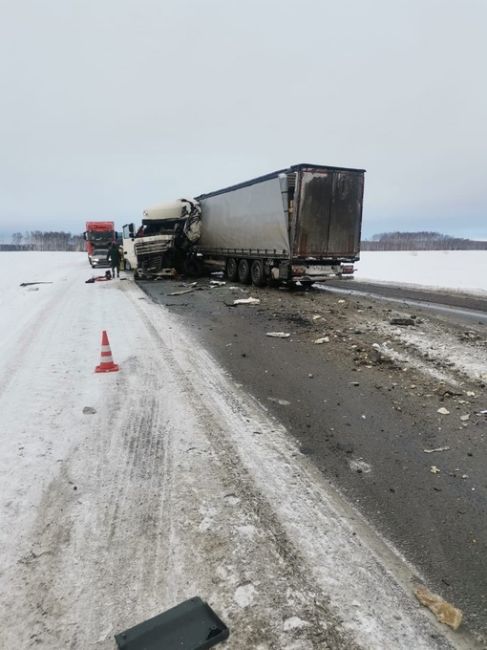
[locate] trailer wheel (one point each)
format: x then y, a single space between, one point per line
244 272
232 269
257 273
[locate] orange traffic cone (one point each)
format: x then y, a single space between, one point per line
106 363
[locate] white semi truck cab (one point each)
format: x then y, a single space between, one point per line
159 242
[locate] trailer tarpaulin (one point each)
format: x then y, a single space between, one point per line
246 218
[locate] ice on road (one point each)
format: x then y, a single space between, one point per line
173 483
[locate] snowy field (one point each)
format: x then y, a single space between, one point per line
453 270
123 494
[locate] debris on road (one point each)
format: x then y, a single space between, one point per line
434 469
431 451
181 293
89 410
278 335
465 418
281 402
323 339
247 301
359 465
403 321
443 411
185 625
217 283
29 284
444 611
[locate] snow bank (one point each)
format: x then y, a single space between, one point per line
454 270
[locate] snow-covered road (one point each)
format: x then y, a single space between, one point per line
179 484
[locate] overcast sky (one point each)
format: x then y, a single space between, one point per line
110 106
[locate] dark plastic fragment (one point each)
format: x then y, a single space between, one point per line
191 625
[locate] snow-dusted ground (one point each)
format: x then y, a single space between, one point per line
454 270
178 485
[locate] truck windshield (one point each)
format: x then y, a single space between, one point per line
101 236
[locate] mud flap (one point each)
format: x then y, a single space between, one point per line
191 625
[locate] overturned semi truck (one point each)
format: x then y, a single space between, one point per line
301 224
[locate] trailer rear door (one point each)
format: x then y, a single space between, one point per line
329 214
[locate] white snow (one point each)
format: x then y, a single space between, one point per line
165 491
454 270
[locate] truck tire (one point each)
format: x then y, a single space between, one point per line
257 273
232 269
244 272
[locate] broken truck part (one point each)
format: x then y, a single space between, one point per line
191 625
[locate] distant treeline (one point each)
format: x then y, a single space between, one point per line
37 240
420 241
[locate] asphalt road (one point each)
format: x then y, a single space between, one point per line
455 306
365 427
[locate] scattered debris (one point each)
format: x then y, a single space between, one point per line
281 402
443 411
431 451
89 410
185 625
316 317
278 335
341 301
181 293
323 339
465 418
484 412
217 283
443 611
403 321
359 465
247 301
434 469
470 393
29 284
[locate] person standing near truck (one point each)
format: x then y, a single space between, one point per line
114 258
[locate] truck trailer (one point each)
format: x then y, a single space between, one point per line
300 224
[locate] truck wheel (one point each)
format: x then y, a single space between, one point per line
232 269
257 273
244 272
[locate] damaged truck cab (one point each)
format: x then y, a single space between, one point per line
159 244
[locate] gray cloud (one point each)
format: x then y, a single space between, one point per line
108 107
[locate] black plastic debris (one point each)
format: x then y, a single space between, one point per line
191 625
